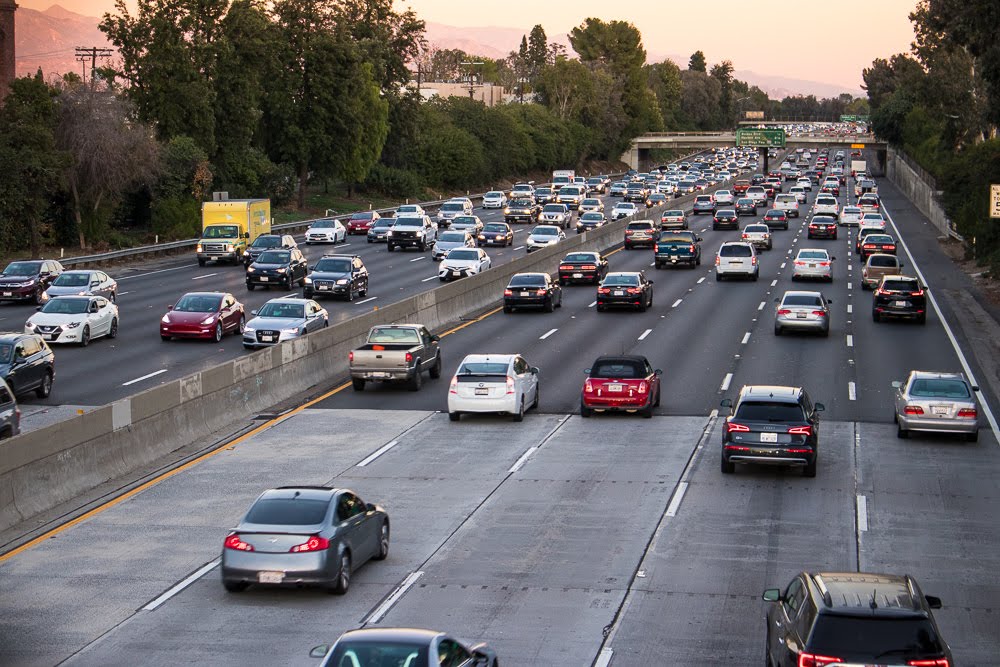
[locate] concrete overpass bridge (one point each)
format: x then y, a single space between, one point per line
638 157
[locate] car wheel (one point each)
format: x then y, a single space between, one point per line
251 287
389 247
718 277
383 543
454 416
343 581
549 306
647 412
201 262
508 309
45 388
113 331
113 297
165 339
235 586
358 384
242 325
902 433
534 405
922 319
697 260
350 293
777 330
600 308
972 437
417 380
755 276
217 334
85 336
728 467
519 415
436 368
810 469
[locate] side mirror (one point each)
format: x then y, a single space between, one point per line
435 338
586 371
832 257
771 595
896 384
975 387
170 307
38 307
254 313
319 651
658 372
698 238
819 407
534 370
726 403
370 507
246 235
933 601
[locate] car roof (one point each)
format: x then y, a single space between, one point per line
937 375
853 591
633 358
305 492
205 293
288 300
802 293
479 358
390 634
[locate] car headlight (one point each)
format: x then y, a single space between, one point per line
506 209
165 319
281 270
249 330
197 248
27 283
229 247
208 320
309 280
482 236
72 325
343 281
251 269
389 233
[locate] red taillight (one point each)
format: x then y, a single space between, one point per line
824 263
234 542
453 387
691 247
656 247
718 260
869 246
350 356
634 290
604 290
643 387
508 292
629 232
734 428
588 387
933 662
821 313
913 410
784 311
753 260
409 357
814 660
314 543
589 267
967 412
565 267
510 385
746 236
800 430
540 292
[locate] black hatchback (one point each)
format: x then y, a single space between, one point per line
532 290
337 275
27 363
900 296
771 425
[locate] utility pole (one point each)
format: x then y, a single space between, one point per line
91 52
420 72
472 80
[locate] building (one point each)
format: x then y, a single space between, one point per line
7 9
487 93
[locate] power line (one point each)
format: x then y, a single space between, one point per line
83 53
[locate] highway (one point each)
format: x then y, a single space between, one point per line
559 541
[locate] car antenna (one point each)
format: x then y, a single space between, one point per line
874 604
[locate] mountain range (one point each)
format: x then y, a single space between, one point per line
46 39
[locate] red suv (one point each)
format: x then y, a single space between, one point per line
621 384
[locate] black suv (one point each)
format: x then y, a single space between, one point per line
900 296
772 426
834 617
278 268
267 242
337 275
26 363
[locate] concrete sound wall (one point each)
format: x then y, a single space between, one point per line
920 190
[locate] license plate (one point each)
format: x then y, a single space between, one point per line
812 266
801 316
264 279
619 293
50 336
940 410
482 392
267 339
270 577
899 304
615 387
8 293
769 437
524 293
378 374
324 287
578 275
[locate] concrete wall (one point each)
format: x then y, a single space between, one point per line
43 468
920 190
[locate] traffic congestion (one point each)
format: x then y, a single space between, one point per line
702 412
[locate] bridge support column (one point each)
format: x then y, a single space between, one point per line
631 157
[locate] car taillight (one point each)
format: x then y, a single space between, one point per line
800 430
604 290
736 428
691 248
814 660
932 662
508 292
629 232
235 542
718 260
540 292
510 385
784 311
753 260
746 236
889 246
869 246
314 543
589 267
565 267
913 410
917 293
656 247
350 356
967 412
453 387
824 263
821 313
643 387
588 387
409 357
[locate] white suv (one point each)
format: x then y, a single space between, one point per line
787 203
826 205
737 258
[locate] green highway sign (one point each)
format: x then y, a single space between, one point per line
848 119
761 138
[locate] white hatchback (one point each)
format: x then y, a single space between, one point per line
494 384
494 199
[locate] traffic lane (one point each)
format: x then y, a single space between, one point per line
931 504
733 536
427 485
540 569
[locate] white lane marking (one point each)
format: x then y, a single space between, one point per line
645 333
849 285
850 309
774 282
947 329
862 513
524 459
761 306
140 275
850 340
123 293
377 453
701 280
520 247
675 501
290 296
417 259
746 338
144 377
677 303
852 391
342 245
783 264
604 658
182 584
726 381
390 601
426 279
371 298
207 275
547 334
653 264
592 304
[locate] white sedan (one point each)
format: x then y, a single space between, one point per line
623 210
543 236
494 199
326 231
493 383
463 262
74 319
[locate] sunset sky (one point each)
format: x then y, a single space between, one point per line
806 39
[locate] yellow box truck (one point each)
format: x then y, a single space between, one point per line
229 226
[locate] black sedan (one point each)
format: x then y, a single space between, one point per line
280 268
631 289
307 535
776 218
590 220
822 227
877 243
726 217
532 290
746 206
337 275
496 233
584 267
402 646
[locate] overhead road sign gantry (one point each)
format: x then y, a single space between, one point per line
760 138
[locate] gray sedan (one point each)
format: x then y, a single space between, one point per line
309 535
802 311
283 319
937 402
83 282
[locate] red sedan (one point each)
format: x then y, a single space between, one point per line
207 315
621 384
361 222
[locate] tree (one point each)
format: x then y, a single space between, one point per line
565 87
697 63
664 80
387 39
32 163
699 99
616 45
537 52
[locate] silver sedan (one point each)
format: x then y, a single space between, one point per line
813 263
937 402
802 311
83 282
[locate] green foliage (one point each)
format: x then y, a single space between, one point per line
176 217
697 63
391 181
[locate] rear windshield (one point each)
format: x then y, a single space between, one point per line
757 229
618 369
676 238
890 639
767 411
889 261
802 300
735 251
288 511
580 257
812 254
900 285
878 238
394 336
640 225
939 387
621 280
527 281
484 368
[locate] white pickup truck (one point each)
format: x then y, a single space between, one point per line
396 353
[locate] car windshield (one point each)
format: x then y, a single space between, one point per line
802 300
554 208
452 237
745 201
735 250
279 309
63 306
72 280
883 261
939 388
898 285
22 268
5 352
382 223
521 203
483 368
334 265
618 368
274 257
288 511
463 220
392 335
452 206
757 229
463 255
494 195
591 202
544 231
620 279
267 242
876 636
527 280
592 216
369 653
221 232
676 238
408 208
323 224
198 303
363 215
409 222
769 411
812 254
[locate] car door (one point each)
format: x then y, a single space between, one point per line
228 313
21 375
350 518
554 289
784 639
362 275
103 316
